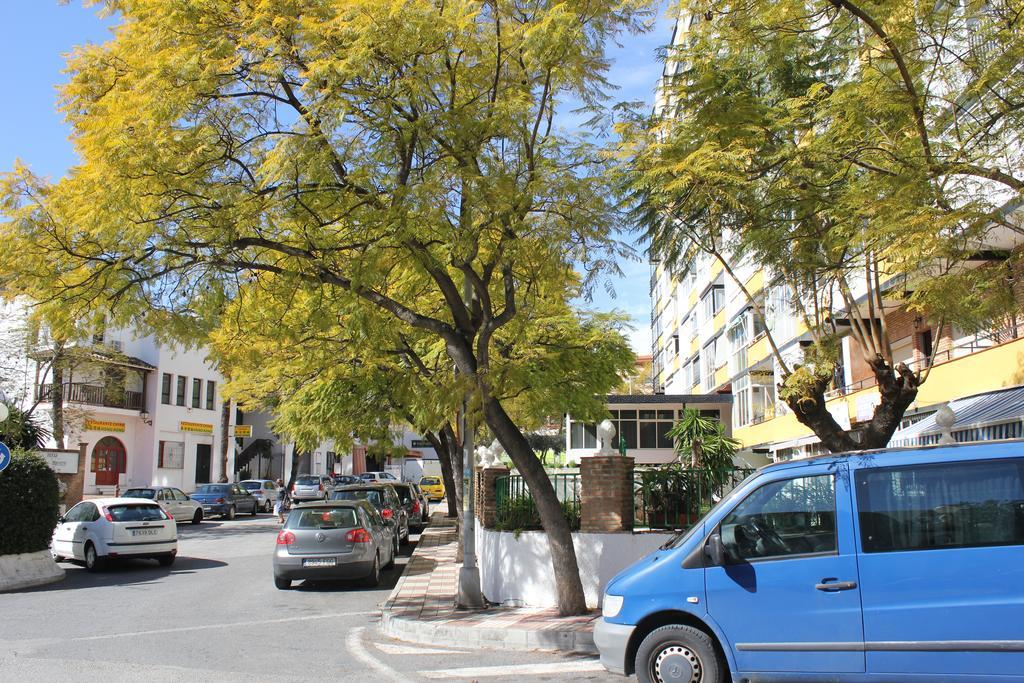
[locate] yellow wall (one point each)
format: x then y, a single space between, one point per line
719 321
721 375
988 370
758 351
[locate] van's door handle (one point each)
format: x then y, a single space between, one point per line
832 585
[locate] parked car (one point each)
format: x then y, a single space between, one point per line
311 487
410 499
885 565
433 487
346 479
345 539
378 476
104 529
225 500
264 490
384 498
424 503
179 505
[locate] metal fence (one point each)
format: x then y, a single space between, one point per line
675 498
515 509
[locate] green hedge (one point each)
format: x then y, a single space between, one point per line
28 504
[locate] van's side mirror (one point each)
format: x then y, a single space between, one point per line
714 550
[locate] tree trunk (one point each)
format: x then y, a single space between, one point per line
897 389
446 448
225 421
57 395
571 599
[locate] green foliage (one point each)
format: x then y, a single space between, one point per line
520 514
23 430
702 441
29 500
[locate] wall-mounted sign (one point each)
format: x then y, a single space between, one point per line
243 430
103 426
197 427
421 443
65 462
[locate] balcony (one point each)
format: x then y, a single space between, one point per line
93 395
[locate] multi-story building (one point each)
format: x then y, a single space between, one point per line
148 413
707 340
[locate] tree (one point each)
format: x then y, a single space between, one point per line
23 429
703 440
400 158
865 154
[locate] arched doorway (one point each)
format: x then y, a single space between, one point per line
109 460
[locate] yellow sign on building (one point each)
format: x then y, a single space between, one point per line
243 430
197 427
103 426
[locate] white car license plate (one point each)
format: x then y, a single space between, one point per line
144 532
319 562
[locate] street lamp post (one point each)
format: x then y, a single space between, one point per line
470 596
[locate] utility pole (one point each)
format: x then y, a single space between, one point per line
470 596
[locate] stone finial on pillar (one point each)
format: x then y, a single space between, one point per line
606 437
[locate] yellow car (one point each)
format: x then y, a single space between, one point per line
432 487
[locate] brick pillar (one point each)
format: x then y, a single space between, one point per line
607 494
486 499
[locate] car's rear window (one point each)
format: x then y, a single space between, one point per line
213 488
368 475
252 485
429 481
308 481
371 495
404 492
323 518
136 513
139 493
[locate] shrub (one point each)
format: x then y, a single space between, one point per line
520 514
28 504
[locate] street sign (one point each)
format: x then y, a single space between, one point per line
5 456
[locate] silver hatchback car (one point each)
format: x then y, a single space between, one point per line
334 540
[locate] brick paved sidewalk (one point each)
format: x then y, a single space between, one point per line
421 608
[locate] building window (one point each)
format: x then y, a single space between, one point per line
708 363
210 387
180 397
172 455
165 389
738 341
582 435
713 301
695 370
197 393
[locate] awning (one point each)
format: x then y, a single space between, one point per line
990 416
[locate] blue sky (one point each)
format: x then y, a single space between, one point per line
36 34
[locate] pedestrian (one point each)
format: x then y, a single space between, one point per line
281 506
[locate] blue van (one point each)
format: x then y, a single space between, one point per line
895 565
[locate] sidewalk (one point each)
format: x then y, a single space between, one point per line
421 608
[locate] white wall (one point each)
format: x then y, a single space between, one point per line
519 569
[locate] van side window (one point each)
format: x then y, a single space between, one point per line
782 519
945 505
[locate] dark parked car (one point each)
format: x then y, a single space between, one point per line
384 498
225 500
346 479
424 503
345 539
412 503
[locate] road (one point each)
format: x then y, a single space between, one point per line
215 615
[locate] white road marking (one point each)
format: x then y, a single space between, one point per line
412 650
577 666
184 629
354 646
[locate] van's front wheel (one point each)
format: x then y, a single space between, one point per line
678 654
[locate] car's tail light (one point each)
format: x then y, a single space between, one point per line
358 536
106 515
285 538
386 513
165 514
415 507
219 500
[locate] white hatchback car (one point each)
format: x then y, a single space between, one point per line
95 531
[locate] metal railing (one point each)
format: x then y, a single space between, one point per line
93 395
516 510
675 498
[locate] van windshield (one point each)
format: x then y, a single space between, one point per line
684 535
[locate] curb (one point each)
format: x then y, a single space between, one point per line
442 634
27 570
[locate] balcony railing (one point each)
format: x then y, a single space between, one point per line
94 395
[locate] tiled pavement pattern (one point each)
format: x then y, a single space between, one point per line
421 608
